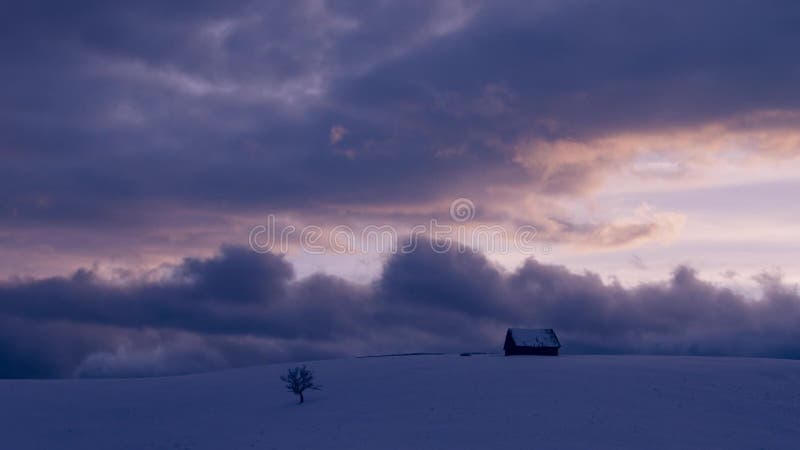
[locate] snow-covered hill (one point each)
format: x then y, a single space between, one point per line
423 402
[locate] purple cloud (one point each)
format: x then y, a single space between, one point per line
241 308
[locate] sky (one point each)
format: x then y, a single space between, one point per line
652 147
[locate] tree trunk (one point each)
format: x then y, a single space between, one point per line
301 397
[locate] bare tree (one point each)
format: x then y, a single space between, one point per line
298 380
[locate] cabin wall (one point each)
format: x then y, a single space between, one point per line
546 351
509 343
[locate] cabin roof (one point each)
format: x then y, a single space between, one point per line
526 337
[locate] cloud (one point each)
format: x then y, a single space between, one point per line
644 225
203 119
240 308
212 108
204 116
337 133
172 357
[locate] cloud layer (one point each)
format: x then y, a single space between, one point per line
135 134
241 308
255 106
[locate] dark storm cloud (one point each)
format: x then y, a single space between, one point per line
110 110
243 308
118 116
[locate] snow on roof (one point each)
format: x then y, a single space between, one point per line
524 337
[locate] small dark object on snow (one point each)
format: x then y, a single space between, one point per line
298 380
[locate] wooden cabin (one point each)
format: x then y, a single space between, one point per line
524 341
